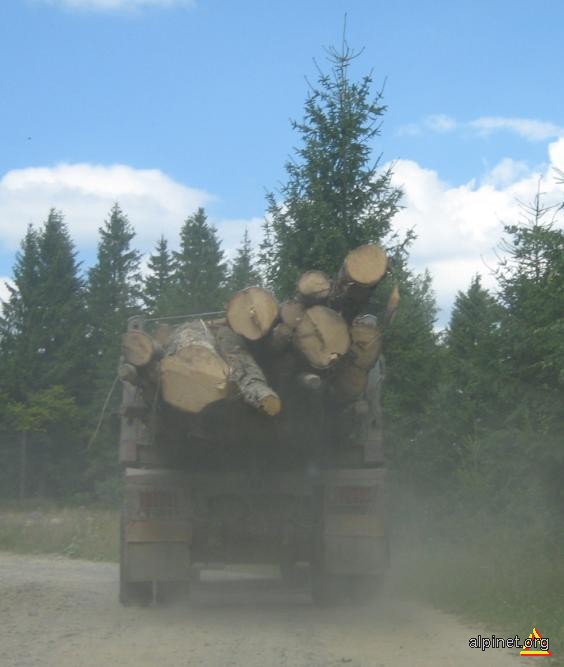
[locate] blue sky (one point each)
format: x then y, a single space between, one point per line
165 105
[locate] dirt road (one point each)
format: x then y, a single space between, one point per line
62 613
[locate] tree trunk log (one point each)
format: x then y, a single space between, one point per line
310 381
279 338
139 349
128 373
362 269
350 382
292 312
245 372
193 374
252 312
392 306
366 341
322 336
314 287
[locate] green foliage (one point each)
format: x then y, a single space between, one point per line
243 272
113 285
113 295
412 362
200 270
42 328
73 532
336 196
158 284
41 410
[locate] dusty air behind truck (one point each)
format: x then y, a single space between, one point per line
255 436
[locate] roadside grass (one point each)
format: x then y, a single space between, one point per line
506 575
82 532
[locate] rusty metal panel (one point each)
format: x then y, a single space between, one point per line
158 531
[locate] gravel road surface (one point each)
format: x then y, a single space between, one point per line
56 612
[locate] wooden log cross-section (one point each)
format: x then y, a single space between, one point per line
322 336
139 349
252 312
193 374
292 312
362 269
313 287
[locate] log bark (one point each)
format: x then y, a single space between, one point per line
128 373
292 312
252 312
280 338
193 374
139 349
314 287
366 341
362 269
392 306
245 372
322 336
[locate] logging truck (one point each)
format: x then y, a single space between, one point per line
254 435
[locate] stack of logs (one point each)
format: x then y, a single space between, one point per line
332 344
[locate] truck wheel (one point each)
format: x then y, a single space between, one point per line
364 589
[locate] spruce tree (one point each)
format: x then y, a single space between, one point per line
336 196
112 297
113 288
243 271
158 284
20 337
44 350
62 309
200 270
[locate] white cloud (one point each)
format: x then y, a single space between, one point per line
441 123
154 203
459 227
528 128
505 172
231 232
118 5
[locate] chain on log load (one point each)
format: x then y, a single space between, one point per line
321 337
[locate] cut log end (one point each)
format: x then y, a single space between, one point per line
310 381
138 348
322 336
128 373
314 286
292 312
366 265
252 312
270 405
192 385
